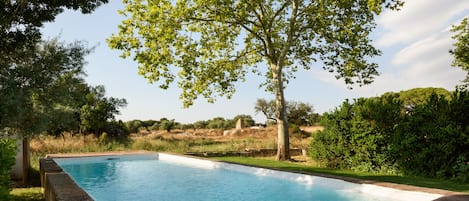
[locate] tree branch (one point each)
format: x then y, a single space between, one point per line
291 31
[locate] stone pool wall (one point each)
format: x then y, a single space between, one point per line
57 185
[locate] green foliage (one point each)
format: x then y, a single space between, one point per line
247 120
41 87
298 113
378 135
22 20
356 135
433 140
134 126
27 194
167 124
202 39
265 107
209 45
200 124
7 160
295 129
117 131
43 91
98 110
461 47
417 96
216 123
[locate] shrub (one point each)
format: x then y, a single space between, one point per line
433 139
116 130
356 135
7 159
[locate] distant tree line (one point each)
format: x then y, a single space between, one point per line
417 132
299 114
134 126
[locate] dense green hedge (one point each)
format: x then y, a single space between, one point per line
7 159
356 135
433 139
385 135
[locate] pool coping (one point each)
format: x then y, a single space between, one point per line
446 194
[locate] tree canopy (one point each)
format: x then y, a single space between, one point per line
418 96
33 83
298 113
461 47
20 20
209 45
36 76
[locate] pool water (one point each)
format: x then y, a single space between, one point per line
130 178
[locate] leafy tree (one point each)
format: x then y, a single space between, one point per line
98 110
200 124
214 44
167 125
43 89
21 20
461 47
29 68
314 119
216 123
246 120
134 125
417 96
298 113
265 107
25 60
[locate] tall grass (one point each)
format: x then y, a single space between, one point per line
43 145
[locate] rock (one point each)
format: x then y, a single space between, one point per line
239 124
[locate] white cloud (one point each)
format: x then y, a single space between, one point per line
417 19
436 45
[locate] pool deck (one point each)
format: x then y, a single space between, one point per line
447 195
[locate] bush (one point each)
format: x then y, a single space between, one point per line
429 139
356 135
7 159
116 130
433 139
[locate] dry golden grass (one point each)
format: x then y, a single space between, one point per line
178 141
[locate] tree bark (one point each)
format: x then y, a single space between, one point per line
283 146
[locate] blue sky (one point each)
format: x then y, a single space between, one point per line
415 43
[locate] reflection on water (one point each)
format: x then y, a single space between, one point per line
160 180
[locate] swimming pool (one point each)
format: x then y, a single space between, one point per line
170 177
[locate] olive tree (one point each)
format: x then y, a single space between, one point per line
209 45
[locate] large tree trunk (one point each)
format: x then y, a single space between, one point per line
283 146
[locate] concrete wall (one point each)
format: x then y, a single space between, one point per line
57 185
17 169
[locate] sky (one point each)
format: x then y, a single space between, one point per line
415 42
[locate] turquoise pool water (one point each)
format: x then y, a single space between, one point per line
147 178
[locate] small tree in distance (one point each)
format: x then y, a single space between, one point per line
298 113
212 44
